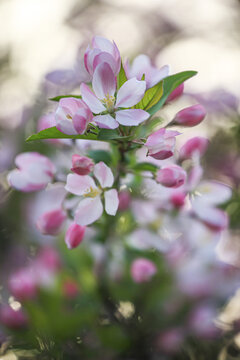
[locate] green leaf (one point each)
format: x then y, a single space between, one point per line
59 97
151 97
121 78
144 130
54 133
145 166
108 134
170 83
100 155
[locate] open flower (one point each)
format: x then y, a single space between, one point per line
34 172
107 105
90 207
72 116
142 66
161 144
102 50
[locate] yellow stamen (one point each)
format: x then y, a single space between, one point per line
68 117
92 193
109 102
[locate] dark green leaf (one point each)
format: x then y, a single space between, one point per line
170 83
108 134
145 166
122 78
151 97
54 133
59 97
146 129
100 155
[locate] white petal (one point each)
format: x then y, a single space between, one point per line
104 82
106 121
79 184
111 201
131 117
103 174
88 211
214 192
130 93
91 100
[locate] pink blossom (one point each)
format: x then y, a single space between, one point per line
171 176
177 199
49 258
81 165
74 235
194 146
124 200
202 321
103 99
34 172
22 284
47 121
72 116
190 116
176 93
14 319
102 51
50 222
142 270
90 207
161 144
142 66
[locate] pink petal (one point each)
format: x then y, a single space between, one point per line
80 123
131 117
74 235
91 100
79 184
105 57
103 174
103 44
106 121
88 211
111 201
104 82
19 180
130 93
214 192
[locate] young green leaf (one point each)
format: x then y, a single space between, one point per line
151 97
59 97
170 83
121 78
145 166
108 134
54 133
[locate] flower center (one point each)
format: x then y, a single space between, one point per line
109 102
92 192
68 116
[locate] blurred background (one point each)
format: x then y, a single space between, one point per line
40 36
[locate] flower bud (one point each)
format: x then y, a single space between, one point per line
74 235
190 116
81 165
50 222
142 270
14 319
177 199
22 284
171 176
124 200
161 144
194 146
176 93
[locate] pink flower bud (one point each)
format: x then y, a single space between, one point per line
176 93
49 258
171 176
81 165
142 270
74 235
190 116
194 146
14 319
177 199
161 144
23 284
70 289
124 200
50 222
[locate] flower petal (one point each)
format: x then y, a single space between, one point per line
91 100
80 123
130 93
106 121
79 184
88 211
105 57
104 82
103 174
111 201
131 117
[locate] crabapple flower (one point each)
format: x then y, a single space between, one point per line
176 93
50 222
90 207
34 172
142 66
81 165
48 120
142 270
13 319
190 116
74 235
171 176
102 50
161 144
72 116
22 284
107 106
195 146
